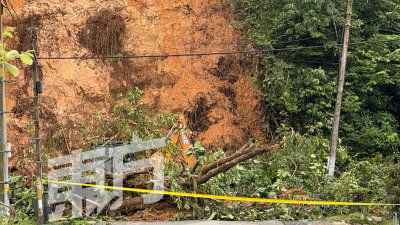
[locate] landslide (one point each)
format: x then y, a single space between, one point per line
217 89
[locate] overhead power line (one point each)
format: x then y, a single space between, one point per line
8 5
302 39
11 14
389 18
204 53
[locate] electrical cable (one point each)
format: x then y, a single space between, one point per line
12 8
312 62
387 16
11 14
7 5
203 53
303 39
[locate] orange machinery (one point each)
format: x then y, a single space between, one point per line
181 135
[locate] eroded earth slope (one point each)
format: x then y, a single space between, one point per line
75 89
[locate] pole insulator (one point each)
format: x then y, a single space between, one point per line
38 87
33 66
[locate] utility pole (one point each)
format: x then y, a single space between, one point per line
37 90
4 186
342 72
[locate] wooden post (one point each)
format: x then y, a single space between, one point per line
342 71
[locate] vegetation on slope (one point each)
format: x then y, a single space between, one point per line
299 92
299 86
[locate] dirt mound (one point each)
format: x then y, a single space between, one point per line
103 33
217 90
199 115
224 69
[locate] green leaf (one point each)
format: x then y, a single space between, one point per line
30 53
3 54
212 216
13 70
13 54
7 34
25 58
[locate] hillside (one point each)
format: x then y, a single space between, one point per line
218 88
285 131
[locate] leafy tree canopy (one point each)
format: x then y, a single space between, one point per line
299 86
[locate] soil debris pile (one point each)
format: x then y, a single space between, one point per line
103 33
198 117
218 91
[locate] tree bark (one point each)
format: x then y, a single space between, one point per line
206 168
213 169
209 171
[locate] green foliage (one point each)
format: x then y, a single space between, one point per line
128 117
75 222
299 87
21 198
7 56
296 172
197 149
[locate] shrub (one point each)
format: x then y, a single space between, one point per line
296 172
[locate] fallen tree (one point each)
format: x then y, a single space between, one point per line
207 171
211 170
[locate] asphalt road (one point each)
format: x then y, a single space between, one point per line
223 223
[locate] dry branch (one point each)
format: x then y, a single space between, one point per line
206 168
209 171
213 169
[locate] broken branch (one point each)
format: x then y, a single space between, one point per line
225 164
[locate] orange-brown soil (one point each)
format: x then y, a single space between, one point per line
75 89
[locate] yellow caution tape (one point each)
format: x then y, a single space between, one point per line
222 197
39 188
39 193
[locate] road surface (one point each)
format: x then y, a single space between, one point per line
223 223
